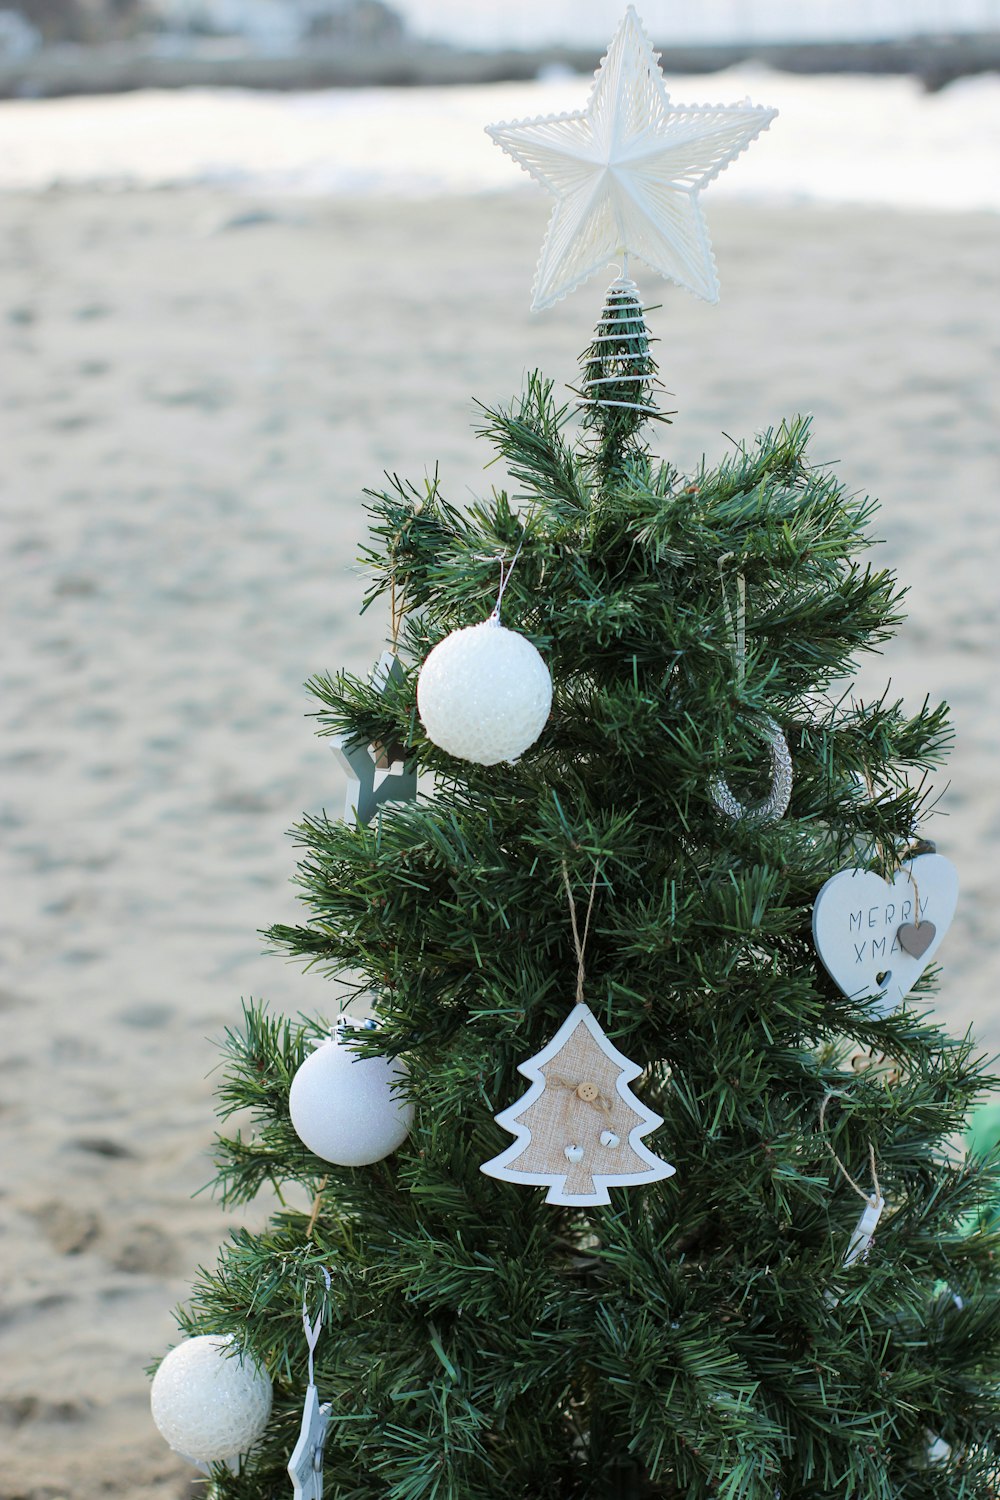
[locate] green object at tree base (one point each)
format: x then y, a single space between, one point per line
984 1130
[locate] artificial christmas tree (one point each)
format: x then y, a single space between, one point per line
733 1329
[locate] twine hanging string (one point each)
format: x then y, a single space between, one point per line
316 1205
887 849
898 858
599 1101
873 1198
579 943
916 890
396 607
880 1063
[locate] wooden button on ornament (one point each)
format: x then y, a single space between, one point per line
588 1092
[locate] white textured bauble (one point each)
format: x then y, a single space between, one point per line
344 1107
209 1403
484 694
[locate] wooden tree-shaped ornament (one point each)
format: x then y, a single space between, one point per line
579 1126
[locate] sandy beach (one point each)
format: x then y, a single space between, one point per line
195 389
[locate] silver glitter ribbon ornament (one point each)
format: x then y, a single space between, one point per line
774 806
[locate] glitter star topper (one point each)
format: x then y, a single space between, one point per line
626 172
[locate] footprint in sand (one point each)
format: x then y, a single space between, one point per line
17 1411
144 1249
68 1230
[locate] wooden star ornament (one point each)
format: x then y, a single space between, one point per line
627 170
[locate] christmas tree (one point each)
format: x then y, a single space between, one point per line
788 1287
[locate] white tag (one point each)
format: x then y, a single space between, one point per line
864 1231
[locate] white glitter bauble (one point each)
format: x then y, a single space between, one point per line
484 694
209 1403
344 1107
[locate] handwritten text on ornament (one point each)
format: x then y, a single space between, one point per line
865 927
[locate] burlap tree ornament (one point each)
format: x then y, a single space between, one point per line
579 1127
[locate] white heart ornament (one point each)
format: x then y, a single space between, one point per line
856 920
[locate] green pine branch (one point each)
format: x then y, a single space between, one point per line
699 1337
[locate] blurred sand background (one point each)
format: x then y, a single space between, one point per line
195 389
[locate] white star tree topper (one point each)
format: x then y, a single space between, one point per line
626 172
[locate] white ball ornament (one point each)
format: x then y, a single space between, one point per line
484 693
346 1108
209 1403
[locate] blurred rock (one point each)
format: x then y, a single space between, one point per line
18 38
30 23
86 21
319 44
